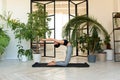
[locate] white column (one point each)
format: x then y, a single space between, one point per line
117 5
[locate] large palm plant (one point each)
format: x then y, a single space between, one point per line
78 24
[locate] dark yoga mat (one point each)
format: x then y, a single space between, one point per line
69 65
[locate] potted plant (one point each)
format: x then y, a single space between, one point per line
35 28
38 24
108 49
24 54
101 55
94 29
91 42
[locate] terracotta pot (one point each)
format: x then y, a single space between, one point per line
101 57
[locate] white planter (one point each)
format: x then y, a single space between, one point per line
37 58
109 54
24 58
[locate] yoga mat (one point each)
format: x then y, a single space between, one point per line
69 65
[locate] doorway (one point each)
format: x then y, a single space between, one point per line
60 12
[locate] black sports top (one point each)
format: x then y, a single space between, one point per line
65 42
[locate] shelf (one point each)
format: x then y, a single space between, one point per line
117 40
115 17
118 28
117 53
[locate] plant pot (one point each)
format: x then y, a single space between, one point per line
101 57
37 58
92 58
109 54
24 58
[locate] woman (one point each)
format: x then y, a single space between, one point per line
57 43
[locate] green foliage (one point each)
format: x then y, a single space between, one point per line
22 51
81 22
27 53
4 41
90 42
35 28
107 42
38 22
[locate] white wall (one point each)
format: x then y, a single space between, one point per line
0 6
102 11
117 5
19 9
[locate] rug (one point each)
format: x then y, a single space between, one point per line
69 65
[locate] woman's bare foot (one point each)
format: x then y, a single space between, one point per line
51 63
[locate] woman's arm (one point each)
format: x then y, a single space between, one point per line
55 40
48 39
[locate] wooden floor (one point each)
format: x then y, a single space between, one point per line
17 70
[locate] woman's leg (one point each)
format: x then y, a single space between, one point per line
51 63
67 58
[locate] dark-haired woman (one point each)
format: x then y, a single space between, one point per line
57 43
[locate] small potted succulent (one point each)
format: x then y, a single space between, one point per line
108 49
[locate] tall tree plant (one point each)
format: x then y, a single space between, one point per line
35 28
